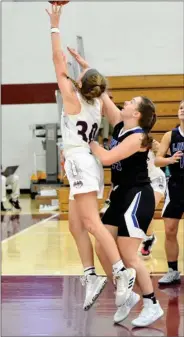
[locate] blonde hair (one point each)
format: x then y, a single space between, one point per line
93 85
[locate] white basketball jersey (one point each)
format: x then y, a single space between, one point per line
78 130
153 171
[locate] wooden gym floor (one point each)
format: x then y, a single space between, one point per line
41 292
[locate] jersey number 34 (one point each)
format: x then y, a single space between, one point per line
84 130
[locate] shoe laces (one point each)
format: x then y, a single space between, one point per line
87 281
118 279
170 274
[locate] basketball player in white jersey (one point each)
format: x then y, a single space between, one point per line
80 121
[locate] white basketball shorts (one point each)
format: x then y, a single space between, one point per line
159 184
85 174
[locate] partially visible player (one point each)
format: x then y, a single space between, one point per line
81 118
174 202
158 183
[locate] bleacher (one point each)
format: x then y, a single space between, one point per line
166 91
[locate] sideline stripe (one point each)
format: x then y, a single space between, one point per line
30 227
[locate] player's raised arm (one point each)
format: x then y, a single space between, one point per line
80 60
70 100
110 110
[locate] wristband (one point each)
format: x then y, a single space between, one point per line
55 30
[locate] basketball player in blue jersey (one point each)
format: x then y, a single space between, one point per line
80 121
174 202
158 183
132 201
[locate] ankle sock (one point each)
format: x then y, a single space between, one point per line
173 265
118 266
89 271
151 297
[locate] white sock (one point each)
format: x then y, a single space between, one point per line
118 266
148 237
89 271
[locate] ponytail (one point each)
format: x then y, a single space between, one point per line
147 120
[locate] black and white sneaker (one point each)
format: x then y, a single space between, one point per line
147 246
15 203
94 285
124 284
171 277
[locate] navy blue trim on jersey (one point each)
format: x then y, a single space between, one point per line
134 217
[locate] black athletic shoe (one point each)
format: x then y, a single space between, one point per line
15 203
147 246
